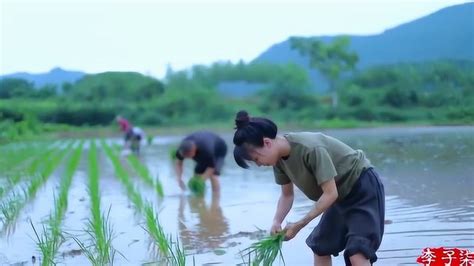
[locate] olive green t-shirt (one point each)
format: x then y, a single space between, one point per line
315 158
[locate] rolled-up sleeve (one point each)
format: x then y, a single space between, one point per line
280 177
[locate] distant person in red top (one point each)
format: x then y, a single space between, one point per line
133 135
125 126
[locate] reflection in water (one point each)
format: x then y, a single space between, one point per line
211 227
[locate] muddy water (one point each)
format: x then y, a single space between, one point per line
428 175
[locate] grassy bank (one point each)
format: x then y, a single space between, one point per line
112 131
54 131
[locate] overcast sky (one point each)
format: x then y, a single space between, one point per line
145 36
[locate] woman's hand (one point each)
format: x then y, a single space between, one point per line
291 229
276 228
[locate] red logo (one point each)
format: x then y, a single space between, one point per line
446 257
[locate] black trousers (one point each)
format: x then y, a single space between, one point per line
355 224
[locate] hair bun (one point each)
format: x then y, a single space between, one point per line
242 119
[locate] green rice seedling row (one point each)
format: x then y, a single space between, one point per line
142 172
51 237
29 170
11 206
145 175
172 252
98 247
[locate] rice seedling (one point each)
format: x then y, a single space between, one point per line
266 250
172 252
155 230
48 244
7 186
124 178
50 240
172 153
10 209
18 147
197 185
94 185
27 170
178 257
137 166
16 201
49 165
67 180
99 251
144 173
12 160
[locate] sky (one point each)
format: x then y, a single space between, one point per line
148 36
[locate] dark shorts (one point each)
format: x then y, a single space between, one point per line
356 224
201 168
218 162
130 136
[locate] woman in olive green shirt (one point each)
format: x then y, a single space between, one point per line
347 191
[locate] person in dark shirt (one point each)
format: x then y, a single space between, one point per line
208 150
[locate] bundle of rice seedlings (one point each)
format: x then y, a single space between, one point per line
266 250
197 185
172 153
149 140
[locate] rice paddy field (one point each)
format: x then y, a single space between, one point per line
81 202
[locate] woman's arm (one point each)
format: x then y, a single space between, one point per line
179 174
328 197
284 206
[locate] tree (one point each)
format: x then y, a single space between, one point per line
116 86
330 59
13 87
47 91
289 91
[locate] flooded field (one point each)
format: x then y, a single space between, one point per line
428 175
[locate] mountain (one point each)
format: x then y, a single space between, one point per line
56 76
445 34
